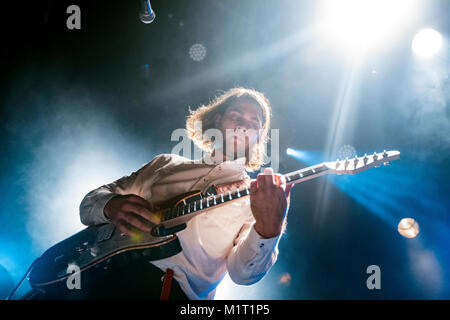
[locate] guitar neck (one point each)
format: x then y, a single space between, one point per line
347 166
206 203
306 174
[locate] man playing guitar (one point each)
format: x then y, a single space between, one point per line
241 239
175 227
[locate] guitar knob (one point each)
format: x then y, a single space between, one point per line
94 251
80 249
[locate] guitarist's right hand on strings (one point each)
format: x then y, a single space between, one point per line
130 211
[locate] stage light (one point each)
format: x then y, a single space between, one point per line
408 227
426 43
308 157
347 151
297 154
361 25
285 279
197 52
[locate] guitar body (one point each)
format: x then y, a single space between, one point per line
98 244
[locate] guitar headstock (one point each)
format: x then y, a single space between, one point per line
359 164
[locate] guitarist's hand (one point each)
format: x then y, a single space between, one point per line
269 200
130 211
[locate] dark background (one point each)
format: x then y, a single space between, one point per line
81 108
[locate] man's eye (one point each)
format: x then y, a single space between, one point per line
235 117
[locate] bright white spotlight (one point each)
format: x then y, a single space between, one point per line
361 25
289 151
426 43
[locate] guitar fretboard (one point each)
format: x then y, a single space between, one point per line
210 201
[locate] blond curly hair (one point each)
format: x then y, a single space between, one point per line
207 115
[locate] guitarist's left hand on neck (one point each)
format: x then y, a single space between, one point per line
269 201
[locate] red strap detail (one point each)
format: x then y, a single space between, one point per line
167 284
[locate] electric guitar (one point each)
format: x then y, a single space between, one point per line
96 244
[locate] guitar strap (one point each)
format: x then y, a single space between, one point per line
167 284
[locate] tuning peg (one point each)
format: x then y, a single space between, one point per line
385 155
337 163
365 158
346 163
375 157
355 161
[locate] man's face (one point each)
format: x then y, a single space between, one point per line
240 125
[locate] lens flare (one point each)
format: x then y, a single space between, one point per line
408 227
362 25
426 43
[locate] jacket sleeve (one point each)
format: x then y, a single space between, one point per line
92 205
252 255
